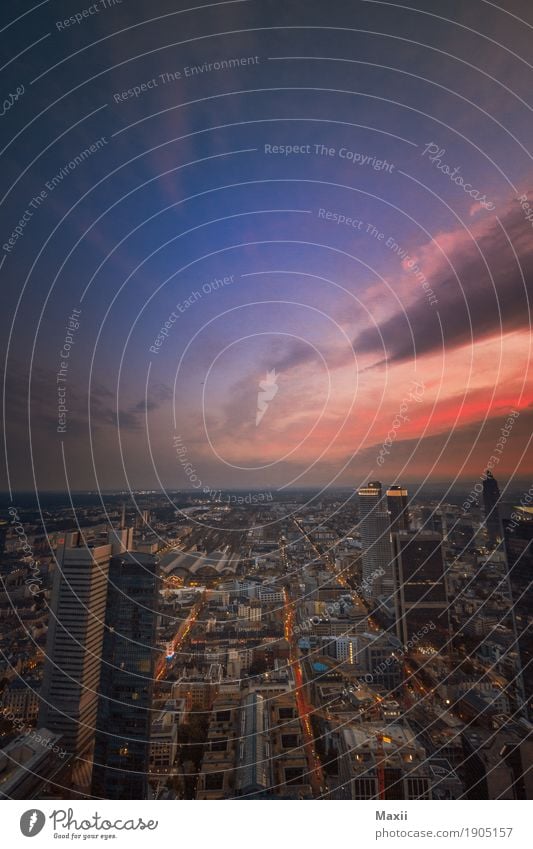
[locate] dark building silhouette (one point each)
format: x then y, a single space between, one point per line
3 534
121 757
420 587
375 538
491 498
518 540
398 507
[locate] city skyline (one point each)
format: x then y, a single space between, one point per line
205 653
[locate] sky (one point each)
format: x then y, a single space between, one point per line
261 244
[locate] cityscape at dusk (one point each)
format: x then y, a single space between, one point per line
267 482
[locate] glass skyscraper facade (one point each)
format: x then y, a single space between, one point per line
126 684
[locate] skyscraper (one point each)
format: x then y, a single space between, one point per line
420 586
374 523
3 533
74 645
491 498
517 530
121 538
122 749
398 506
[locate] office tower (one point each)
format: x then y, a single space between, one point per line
398 506
420 588
122 751
143 520
121 538
375 538
74 645
4 526
491 497
518 536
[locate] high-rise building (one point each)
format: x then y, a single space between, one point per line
4 526
420 587
374 527
142 522
398 506
74 645
121 538
491 498
122 751
517 529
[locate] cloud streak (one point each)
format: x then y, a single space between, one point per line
489 293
